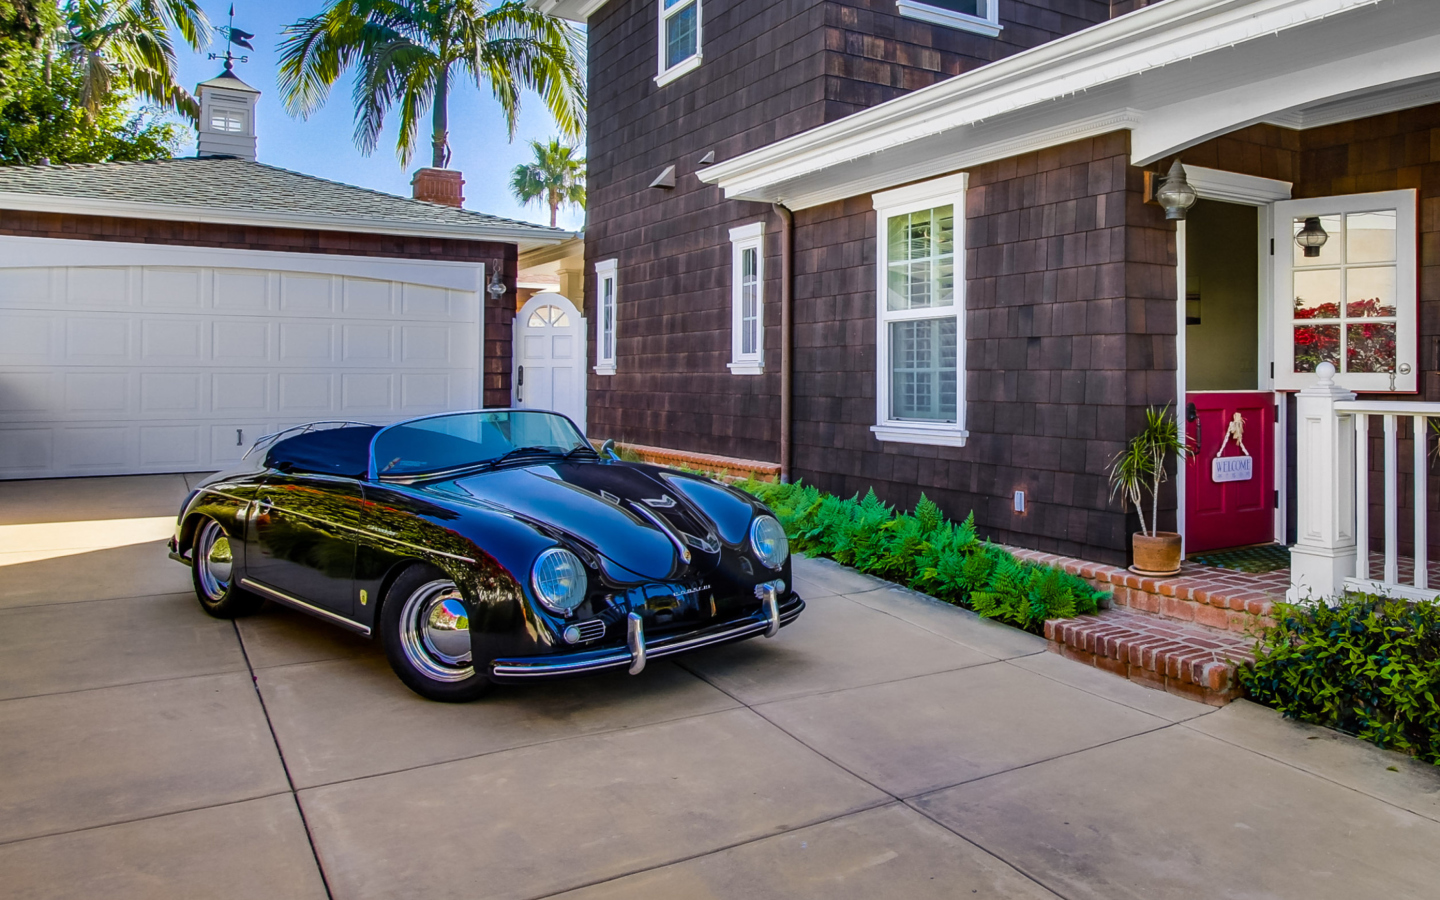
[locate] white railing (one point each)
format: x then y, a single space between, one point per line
1332 553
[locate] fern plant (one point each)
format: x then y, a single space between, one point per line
926 552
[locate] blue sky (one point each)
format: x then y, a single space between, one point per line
323 144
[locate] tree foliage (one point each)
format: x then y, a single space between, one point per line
405 52
125 46
556 177
924 551
49 121
24 27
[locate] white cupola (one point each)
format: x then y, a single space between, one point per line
227 116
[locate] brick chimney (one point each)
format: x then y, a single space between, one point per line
443 186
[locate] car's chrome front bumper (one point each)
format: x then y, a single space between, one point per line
640 649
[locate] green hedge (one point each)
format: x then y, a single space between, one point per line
1369 666
924 551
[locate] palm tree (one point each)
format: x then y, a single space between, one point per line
557 175
406 51
120 43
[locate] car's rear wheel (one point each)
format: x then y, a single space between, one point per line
213 572
426 632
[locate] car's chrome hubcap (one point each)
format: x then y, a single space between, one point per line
435 632
214 559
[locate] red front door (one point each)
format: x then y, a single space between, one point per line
1230 488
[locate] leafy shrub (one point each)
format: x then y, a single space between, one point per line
1369 666
923 551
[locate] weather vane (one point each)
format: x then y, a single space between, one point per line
234 36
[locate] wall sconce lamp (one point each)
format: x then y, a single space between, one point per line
1312 237
496 288
1175 195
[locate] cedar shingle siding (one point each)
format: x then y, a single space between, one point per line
772 70
1070 333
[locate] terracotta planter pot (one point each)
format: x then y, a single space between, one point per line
1158 555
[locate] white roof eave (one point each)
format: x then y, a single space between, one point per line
524 238
573 10
1102 55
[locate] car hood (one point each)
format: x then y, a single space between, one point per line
605 506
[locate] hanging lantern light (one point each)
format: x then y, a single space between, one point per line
1175 194
497 283
1312 237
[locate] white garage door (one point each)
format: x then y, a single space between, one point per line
122 358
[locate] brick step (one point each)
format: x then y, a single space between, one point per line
1188 660
1214 598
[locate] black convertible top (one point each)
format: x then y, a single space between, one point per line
331 451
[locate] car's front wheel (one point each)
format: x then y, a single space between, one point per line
213 572
426 632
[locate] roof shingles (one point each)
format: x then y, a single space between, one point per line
219 183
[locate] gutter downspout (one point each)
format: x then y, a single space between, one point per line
787 228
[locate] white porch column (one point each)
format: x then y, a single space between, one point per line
1324 554
572 286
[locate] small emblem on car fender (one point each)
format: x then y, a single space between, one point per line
364 597
664 502
695 590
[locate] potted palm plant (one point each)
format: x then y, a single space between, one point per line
1140 468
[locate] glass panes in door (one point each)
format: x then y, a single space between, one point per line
1345 292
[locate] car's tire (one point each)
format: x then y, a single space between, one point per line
212 571
426 633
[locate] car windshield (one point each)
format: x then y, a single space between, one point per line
441 444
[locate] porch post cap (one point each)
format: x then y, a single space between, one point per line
1326 386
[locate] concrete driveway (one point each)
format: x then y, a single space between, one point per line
883 746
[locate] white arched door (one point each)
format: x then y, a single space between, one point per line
550 357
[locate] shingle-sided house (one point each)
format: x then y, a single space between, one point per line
161 316
913 245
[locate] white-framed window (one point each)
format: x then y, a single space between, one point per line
920 300
679 38
229 121
747 299
1355 302
606 306
979 16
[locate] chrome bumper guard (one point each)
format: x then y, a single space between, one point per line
638 651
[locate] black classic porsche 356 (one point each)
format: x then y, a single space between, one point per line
486 546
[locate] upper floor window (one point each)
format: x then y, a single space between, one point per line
747 289
920 345
679 38
980 16
605 302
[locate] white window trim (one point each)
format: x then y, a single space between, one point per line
988 24
605 270
747 237
938 192
690 63
1407 306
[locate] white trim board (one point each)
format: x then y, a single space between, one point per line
1233 187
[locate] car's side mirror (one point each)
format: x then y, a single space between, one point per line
607 449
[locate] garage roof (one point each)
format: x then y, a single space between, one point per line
242 192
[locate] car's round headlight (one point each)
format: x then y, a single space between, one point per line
559 580
768 541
